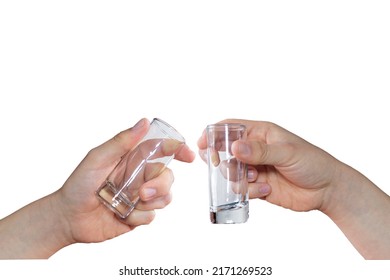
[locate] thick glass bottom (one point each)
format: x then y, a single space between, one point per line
230 214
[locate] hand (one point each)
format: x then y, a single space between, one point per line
282 167
288 171
88 219
74 214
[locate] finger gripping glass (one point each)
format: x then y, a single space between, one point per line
120 191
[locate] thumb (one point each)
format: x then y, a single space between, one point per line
260 153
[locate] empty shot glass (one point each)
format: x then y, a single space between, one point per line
228 184
120 191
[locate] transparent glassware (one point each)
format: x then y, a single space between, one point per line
120 191
228 184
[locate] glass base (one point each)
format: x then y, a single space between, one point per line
232 214
119 204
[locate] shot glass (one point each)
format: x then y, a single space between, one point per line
120 191
228 183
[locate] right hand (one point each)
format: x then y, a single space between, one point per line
283 168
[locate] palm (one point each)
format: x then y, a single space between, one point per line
90 220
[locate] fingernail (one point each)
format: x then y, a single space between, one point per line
264 189
243 149
214 158
149 193
171 146
251 175
139 124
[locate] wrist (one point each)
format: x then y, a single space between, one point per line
51 231
360 209
59 220
340 192
35 231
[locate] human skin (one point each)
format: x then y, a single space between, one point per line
73 214
288 171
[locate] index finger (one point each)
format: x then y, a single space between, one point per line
265 131
202 141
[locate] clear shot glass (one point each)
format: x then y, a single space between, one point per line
120 191
228 184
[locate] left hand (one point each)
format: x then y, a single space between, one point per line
87 218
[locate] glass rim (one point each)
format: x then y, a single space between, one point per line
168 129
224 126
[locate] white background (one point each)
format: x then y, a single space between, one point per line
74 73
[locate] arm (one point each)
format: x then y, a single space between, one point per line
35 231
73 213
362 211
288 171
